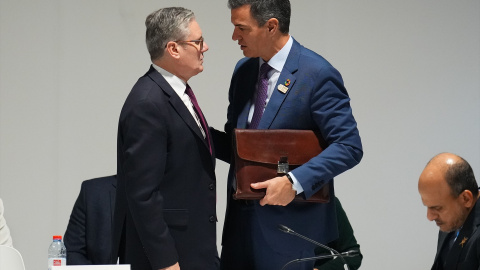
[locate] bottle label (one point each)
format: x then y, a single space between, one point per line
56 262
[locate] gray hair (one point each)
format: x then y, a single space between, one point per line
264 10
165 25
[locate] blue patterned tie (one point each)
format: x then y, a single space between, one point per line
261 96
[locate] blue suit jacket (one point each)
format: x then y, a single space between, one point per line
316 100
88 236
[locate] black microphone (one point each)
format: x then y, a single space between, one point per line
286 229
349 253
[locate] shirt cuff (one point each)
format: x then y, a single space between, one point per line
296 185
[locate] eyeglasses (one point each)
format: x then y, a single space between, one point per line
196 41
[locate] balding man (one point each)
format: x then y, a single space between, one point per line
450 193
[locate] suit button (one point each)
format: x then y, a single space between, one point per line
211 186
212 219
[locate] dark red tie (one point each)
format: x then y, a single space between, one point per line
192 97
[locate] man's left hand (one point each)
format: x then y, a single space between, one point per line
279 191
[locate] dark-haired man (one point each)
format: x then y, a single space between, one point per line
449 190
282 85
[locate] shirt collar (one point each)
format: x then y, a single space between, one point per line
176 83
278 60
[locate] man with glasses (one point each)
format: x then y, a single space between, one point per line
165 216
449 190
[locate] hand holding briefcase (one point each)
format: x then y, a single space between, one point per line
263 154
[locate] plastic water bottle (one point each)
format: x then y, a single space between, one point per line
57 253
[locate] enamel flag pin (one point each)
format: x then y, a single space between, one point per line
284 87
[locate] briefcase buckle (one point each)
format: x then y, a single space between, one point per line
282 165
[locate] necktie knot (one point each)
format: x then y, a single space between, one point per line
264 69
189 92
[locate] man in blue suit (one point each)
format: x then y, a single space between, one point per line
303 92
88 237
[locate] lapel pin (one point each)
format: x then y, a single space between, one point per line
282 88
464 240
287 82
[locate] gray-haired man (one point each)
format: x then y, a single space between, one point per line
165 215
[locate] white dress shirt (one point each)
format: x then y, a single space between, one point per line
179 87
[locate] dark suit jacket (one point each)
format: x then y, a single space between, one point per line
465 251
88 236
166 194
316 100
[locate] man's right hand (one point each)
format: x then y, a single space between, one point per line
173 267
279 191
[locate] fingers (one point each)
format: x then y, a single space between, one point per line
278 191
260 185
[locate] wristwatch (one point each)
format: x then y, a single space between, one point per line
289 178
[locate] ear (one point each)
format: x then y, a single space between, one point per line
272 25
172 49
467 198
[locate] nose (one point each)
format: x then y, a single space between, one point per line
205 47
235 35
431 215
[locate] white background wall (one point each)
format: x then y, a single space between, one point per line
412 69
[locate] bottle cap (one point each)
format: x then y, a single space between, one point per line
57 237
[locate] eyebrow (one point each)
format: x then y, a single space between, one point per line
240 25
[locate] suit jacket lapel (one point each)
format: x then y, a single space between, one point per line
286 81
210 140
441 241
112 194
177 104
245 91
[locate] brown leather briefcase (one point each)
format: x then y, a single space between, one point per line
263 154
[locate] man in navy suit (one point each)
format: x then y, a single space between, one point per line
165 209
449 190
88 237
304 92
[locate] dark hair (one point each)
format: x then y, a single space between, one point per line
459 177
165 25
264 10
